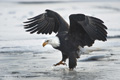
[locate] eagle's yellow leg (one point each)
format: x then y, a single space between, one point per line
61 62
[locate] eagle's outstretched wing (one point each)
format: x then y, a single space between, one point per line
46 23
86 29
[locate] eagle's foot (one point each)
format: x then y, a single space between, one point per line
59 63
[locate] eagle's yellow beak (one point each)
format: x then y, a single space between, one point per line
45 43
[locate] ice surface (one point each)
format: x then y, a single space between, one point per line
22 56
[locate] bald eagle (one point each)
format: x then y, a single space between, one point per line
82 31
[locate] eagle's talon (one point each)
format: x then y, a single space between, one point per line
55 64
61 62
64 64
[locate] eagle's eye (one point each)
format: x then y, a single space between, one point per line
47 41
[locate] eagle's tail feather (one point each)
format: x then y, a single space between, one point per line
72 61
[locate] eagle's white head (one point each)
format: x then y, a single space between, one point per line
54 41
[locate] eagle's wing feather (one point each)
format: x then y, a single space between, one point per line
86 29
46 23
